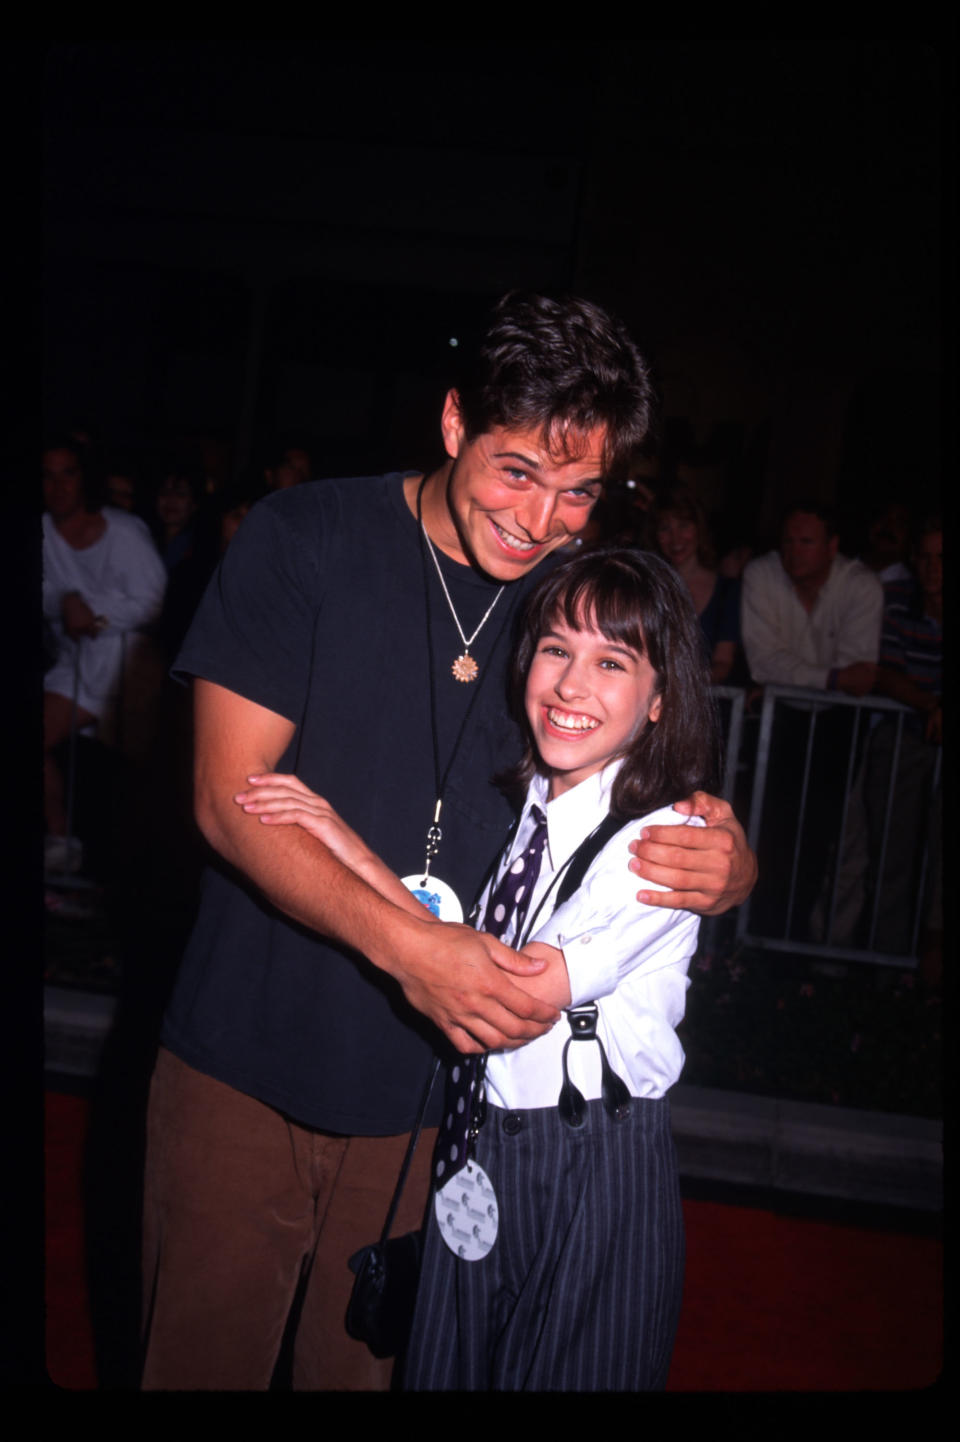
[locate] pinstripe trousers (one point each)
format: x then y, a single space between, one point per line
582 1289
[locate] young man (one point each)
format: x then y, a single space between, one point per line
344 641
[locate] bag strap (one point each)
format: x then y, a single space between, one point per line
408 1157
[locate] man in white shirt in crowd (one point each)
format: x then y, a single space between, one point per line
810 617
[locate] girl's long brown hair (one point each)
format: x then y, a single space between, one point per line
636 599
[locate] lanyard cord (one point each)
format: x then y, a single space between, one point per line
441 778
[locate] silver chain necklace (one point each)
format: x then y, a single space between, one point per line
464 667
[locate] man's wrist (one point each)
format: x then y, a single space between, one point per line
398 941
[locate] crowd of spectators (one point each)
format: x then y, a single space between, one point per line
805 615
129 545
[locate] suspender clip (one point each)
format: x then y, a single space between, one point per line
583 1021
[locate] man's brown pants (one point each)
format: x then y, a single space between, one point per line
240 1204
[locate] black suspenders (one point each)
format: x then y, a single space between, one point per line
583 1019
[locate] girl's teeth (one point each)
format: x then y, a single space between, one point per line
571 723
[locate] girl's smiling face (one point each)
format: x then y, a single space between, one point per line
587 699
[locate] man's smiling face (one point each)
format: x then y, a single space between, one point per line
512 499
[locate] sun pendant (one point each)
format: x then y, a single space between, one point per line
465 668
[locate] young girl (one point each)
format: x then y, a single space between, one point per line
554 1258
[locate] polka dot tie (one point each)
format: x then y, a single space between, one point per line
463 1097
511 896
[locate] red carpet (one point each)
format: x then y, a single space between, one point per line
70 1357
772 1302
777 1302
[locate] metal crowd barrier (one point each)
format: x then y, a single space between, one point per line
730 706
859 846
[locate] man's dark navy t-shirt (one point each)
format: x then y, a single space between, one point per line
317 612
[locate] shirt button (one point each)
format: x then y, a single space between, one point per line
585 940
512 1123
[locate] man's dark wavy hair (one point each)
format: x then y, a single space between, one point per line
634 598
564 366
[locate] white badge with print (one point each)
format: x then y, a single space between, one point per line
436 896
467 1213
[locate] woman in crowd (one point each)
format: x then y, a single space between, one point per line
683 538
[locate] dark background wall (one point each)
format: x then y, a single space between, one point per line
247 245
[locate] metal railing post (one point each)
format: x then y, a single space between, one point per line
848 788
887 813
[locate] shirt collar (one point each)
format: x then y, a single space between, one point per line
573 815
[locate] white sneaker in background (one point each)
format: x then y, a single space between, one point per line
63 854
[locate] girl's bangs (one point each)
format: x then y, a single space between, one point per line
612 603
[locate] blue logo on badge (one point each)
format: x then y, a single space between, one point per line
430 899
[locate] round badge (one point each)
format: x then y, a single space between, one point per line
467 1214
436 896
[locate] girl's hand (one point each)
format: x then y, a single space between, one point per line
281 800
553 983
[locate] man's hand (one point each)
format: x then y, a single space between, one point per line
458 982
78 619
857 678
706 869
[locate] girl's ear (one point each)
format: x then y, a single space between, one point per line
654 713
